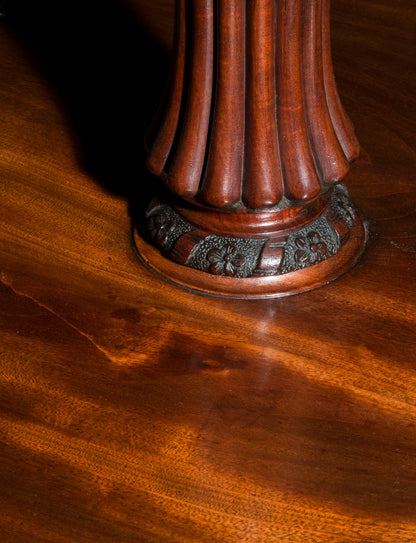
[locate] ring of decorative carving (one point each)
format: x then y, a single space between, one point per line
246 257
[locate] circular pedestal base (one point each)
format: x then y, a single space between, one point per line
287 263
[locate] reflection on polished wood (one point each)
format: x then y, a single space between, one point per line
132 410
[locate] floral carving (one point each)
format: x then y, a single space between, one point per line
229 256
311 249
160 226
225 261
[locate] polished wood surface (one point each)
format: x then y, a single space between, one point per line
251 131
252 114
133 410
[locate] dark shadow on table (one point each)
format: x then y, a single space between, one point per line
109 74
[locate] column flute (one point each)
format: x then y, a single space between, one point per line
252 143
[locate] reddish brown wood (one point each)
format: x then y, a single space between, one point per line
162 145
271 286
132 410
297 157
274 100
225 154
258 129
262 178
342 124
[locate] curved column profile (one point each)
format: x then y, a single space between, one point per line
250 142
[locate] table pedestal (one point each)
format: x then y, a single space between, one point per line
252 143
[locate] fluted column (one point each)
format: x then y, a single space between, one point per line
250 142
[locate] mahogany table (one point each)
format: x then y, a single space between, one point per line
252 143
132 410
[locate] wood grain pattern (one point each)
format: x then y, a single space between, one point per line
132 410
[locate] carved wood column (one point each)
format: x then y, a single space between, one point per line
251 144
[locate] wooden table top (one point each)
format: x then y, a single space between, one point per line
132 410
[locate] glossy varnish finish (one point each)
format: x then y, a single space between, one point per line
261 116
132 410
252 132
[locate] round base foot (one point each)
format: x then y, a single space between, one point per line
292 262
